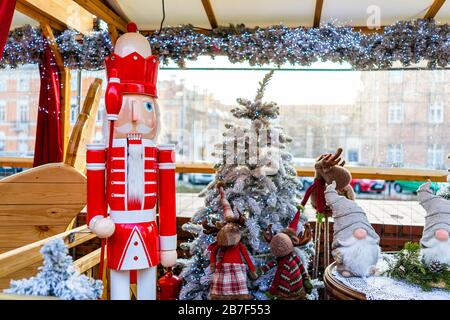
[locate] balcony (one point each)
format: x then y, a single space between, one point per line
20 126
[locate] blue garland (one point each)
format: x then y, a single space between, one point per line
406 41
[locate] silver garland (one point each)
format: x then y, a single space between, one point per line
406 41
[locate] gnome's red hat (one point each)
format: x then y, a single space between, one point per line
131 68
294 223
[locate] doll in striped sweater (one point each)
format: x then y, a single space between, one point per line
291 281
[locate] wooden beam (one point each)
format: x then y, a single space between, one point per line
66 12
431 13
101 11
362 29
368 30
16 162
318 13
88 261
37 14
113 33
65 84
357 172
210 13
48 33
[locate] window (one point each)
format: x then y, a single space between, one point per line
98 137
3 85
101 111
22 143
353 155
438 76
436 113
23 84
22 112
74 111
395 154
395 113
396 76
18 109
435 156
2 141
2 111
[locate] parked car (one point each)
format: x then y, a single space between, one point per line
7 171
306 182
200 178
412 186
368 185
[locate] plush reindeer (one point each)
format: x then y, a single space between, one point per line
229 280
328 168
291 281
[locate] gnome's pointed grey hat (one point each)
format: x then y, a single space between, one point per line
438 212
348 216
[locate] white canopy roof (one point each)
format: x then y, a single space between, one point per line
148 14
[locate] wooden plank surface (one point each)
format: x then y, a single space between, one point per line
37 215
100 10
47 173
39 15
27 255
67 12
42 193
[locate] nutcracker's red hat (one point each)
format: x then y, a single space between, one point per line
135 73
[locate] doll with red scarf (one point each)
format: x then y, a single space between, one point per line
228 257
328 168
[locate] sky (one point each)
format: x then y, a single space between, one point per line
286 88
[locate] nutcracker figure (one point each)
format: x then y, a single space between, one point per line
132 176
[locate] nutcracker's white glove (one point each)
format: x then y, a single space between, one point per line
168 258
102 227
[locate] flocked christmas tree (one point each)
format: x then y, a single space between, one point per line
58 277
260 182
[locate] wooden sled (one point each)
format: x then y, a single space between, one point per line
42 201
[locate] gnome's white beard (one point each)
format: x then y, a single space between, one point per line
360 255
436 251
135 173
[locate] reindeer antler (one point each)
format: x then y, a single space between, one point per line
208 229
329 160
241 220
268 234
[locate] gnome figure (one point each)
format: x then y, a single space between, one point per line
435 240
355 246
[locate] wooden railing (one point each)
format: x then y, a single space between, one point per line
357 172
27 256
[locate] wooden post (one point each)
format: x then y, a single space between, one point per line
65 84
113 33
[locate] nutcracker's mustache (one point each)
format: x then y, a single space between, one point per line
140 128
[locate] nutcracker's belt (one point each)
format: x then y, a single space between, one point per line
132 216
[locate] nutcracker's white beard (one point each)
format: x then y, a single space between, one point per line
135 173
359 256
436 251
